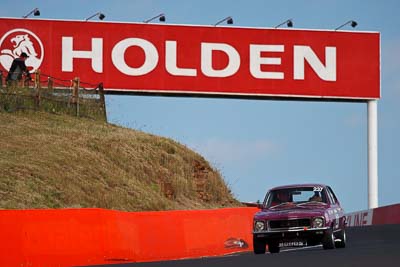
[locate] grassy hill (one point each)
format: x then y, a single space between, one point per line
59 161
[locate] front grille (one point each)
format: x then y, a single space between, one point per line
289 223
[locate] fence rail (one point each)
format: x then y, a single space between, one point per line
51 94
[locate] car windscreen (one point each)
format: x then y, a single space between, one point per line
296 195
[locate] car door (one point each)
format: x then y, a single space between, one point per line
337 212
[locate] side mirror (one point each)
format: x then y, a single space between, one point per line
257 204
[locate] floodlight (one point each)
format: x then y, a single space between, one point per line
288 23
100 15
161 17
35 12
228 20
351 22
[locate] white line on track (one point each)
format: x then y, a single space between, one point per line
302 248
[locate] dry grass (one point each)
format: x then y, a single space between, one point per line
58 161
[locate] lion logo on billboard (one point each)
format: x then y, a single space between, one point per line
17 41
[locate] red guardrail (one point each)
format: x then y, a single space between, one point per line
68 237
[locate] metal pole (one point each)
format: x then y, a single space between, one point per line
372 154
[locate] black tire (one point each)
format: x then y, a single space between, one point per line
273 247
259 246
342 236
328 241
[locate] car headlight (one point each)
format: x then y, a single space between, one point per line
318 222
259 226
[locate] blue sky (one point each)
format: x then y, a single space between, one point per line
260 144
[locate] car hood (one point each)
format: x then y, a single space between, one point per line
290 213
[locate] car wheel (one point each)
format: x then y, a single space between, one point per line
273 247
258 246
328 241
342 242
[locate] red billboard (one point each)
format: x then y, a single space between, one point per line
183 59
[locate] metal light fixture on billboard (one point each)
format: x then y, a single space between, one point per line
35 12
160 17
351 22
228 20
288 23
99 14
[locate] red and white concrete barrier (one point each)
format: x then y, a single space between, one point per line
382 215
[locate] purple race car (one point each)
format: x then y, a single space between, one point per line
299 215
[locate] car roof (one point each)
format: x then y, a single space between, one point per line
297 185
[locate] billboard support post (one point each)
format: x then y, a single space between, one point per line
372 154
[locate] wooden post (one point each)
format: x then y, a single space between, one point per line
50 83
37 80
75 94
37 88
102 100
1 79
21 83
25 81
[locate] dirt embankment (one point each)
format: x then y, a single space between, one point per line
59 161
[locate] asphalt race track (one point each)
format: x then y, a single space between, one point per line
366 246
